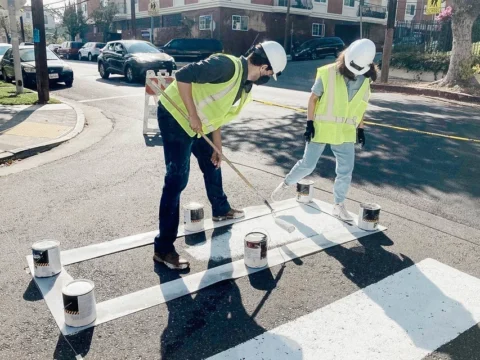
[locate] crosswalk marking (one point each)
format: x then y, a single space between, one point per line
403 317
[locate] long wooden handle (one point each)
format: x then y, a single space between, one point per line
169 99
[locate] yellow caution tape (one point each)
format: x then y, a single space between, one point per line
376 124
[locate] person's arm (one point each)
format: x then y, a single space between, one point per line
185 90
312 103
217 140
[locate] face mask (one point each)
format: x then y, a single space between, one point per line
262 80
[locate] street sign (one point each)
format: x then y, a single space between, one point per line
153 7
434 7
36 35
145 33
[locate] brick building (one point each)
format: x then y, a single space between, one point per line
238 22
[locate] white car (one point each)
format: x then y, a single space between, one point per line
3 49
90 51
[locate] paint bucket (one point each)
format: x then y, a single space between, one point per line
305 191
369 216
256 247
193 217
46 258
79 303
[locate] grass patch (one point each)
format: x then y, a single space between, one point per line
8 96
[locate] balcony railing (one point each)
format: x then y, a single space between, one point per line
373 11
296 4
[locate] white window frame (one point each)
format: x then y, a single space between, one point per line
349 2
321 30
409 9
202 23
238 19
84 9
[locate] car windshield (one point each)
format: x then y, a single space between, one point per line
140 47
29 55
306 45
100 45
3 49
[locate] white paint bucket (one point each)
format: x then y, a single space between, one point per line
79 303
256 247
46 258
305 191
369 216
193 217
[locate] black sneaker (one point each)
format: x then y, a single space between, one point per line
232 214
172 260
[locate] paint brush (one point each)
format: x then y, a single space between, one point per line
281 223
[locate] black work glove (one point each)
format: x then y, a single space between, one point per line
310 131
361 137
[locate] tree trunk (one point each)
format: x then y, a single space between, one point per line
287 17
461 58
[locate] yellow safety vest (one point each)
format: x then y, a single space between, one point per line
214 102
336 118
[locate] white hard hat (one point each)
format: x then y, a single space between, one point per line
359 56
276 55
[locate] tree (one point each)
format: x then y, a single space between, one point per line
103 18
74 21
464 14
5 26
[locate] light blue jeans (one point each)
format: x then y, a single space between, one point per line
345 155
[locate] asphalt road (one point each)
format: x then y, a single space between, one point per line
109 188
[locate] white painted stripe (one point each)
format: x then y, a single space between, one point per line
110 98
403 317
110 247
159 294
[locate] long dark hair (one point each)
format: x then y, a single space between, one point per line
343 70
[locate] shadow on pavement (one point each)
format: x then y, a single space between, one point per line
32 293
153 140
10 118
81 342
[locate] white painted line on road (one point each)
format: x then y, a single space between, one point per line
110 98
308 220
403 317
73 256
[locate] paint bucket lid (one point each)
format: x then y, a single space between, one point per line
370 206
78 287
306 182
193 206
45 245
255 237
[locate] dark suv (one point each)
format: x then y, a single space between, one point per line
192 49
69 49
319 48
133 58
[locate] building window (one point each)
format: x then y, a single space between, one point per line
45 17
239 23
205 22
282 2
318 30
172 20
27 15
84 8
350 3
411 9
321 1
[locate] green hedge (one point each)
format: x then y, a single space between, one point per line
415 61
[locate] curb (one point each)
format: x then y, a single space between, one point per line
426 92
22 153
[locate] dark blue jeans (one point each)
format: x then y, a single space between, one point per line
177 148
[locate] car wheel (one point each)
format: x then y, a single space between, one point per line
79 56
90 57
103 72
314 56
5 77
69 83
129 74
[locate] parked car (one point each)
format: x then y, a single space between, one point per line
58 70
319 48
3 49
192 49
69 49
133 58
90 51
54 47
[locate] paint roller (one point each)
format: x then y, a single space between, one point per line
282 223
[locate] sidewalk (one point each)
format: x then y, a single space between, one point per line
26 130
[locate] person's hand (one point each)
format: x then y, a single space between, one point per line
361 137
310 131
195 123
216 159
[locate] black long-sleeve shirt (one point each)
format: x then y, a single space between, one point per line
216 69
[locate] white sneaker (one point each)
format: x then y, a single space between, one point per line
279 191
341 212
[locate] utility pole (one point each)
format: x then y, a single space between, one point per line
151 29
286 25
22 28
387 46
134 21
40 45
15 46
360 7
